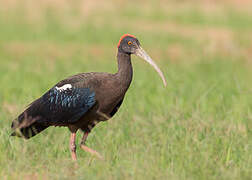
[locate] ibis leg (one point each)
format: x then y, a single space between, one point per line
84 138
87 149
73 146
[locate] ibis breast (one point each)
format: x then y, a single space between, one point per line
109 95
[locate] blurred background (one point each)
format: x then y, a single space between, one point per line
198 127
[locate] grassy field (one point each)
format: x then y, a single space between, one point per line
198 127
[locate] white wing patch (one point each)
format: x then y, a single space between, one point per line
64 87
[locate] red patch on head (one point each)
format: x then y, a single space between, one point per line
125 35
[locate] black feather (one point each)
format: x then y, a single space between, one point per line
54 108
65 106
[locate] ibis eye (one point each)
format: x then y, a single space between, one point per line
129 43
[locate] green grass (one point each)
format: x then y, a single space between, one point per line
198 127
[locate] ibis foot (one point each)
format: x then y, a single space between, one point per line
91 151
74 157
87 149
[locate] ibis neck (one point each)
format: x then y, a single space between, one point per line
125 71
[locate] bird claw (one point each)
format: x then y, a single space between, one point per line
91 151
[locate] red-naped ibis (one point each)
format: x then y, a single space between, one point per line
83 100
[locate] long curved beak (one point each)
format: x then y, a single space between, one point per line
141 53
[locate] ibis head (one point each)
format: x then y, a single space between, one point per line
129 44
